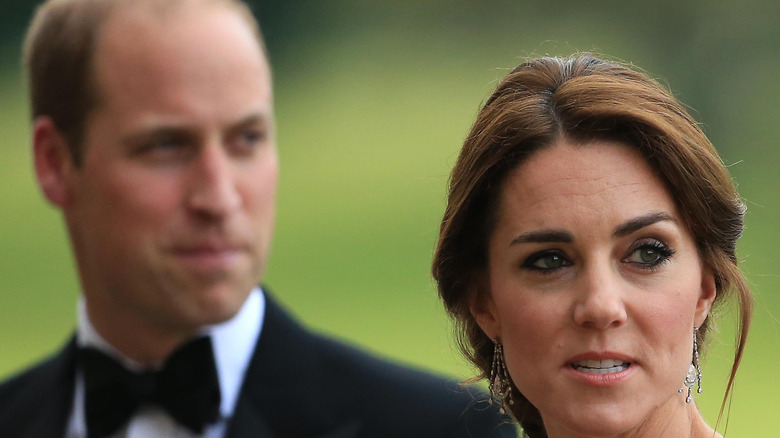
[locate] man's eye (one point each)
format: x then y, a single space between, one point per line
250 139
162 145
546 261
169 143
164 150
253 136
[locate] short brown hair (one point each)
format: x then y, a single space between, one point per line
58 55
583 98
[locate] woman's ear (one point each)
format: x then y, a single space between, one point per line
53 161
483 309
706 297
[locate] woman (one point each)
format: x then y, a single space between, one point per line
589 234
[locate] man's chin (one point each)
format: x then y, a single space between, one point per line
220 304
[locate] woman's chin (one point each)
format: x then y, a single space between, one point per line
601 421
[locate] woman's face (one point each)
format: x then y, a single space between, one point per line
595 285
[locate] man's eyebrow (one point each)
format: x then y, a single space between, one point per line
263 120
543 236
185 130
156 132
641 222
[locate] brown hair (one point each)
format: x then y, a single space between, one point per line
583 98
58 57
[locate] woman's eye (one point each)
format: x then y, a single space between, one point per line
546 261
650 254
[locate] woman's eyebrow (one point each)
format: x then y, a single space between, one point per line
641 222
543 236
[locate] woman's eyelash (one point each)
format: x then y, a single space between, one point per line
649 254
646 254
546 262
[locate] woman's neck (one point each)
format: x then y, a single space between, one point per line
675 419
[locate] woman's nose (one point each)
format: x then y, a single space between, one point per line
600 299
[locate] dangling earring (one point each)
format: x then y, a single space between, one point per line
500 385
694 370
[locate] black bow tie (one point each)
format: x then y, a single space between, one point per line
186 387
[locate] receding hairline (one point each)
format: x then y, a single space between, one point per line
60 54
146 15
163 10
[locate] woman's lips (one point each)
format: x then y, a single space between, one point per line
601 368
605 366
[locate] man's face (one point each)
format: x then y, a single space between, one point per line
171 213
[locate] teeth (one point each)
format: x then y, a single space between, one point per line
601 366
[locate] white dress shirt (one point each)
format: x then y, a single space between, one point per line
233 342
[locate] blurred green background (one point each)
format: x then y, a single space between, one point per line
373 100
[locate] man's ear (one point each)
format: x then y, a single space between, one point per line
706 297
483 309
53 161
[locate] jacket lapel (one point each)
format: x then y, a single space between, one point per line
281 396
43 406
349 430
60 391
248 422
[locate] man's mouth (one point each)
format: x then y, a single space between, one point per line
605 366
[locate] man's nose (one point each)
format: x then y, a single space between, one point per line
600 299
213 185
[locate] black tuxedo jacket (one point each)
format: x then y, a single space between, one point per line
299 385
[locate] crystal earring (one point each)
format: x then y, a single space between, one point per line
694 370
500 385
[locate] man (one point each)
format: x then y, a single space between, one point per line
153 133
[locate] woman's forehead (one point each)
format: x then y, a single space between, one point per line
598 179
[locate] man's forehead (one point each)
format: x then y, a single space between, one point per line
130 20
166 10
151 15
133 28
199 68
202 44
